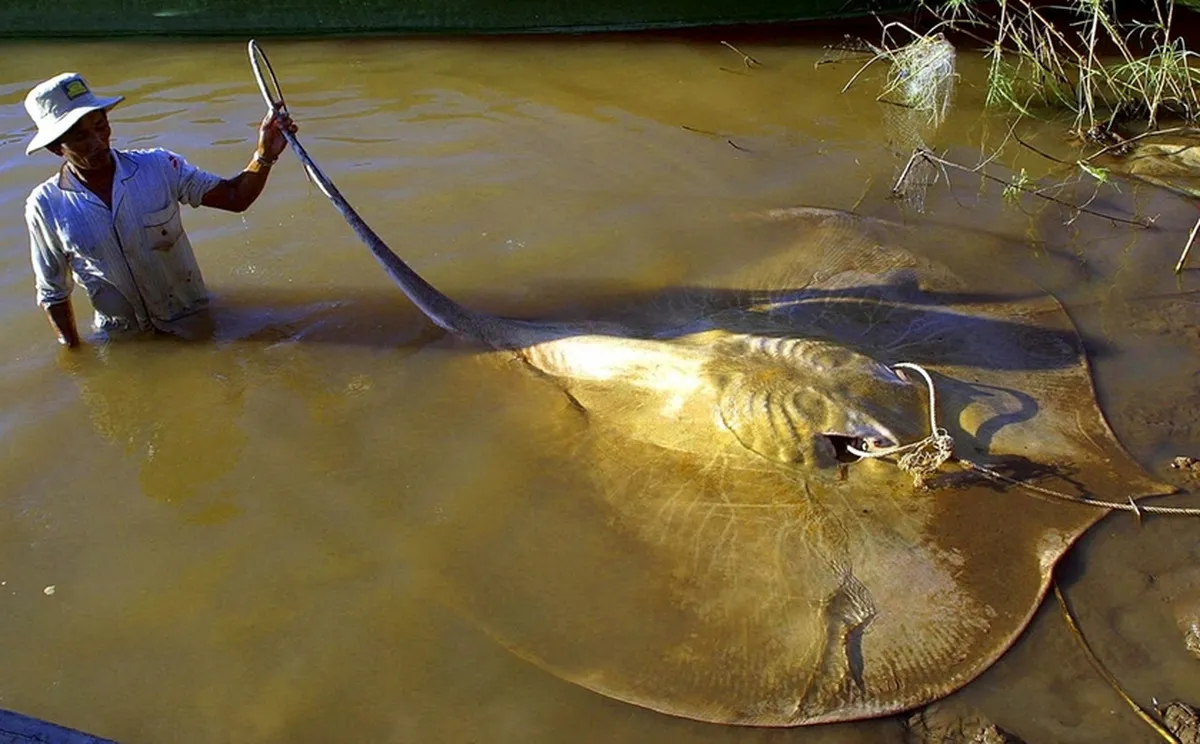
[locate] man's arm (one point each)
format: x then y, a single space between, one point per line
238 193
52 277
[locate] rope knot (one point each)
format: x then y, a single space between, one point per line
927 456
922 458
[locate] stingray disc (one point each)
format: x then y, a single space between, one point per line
712 583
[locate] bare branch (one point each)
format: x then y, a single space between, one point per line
1144 135
747 60
1047 156
978 170
1187 248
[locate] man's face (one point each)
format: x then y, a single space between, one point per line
86 145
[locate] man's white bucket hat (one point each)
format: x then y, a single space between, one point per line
58 103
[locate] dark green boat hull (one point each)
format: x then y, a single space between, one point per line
104 18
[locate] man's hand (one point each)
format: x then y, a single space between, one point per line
270 134
62 320
238 193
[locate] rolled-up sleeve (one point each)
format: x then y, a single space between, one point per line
51 269
190 183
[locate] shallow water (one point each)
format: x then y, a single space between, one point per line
247 538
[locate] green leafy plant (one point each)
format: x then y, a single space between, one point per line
1081 56
1119 78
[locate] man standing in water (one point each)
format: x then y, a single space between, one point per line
110 220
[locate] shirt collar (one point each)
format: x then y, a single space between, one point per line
126 168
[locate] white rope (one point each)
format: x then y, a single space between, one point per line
925 457
1131 506
921 458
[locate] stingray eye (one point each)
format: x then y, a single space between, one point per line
878 443
900 373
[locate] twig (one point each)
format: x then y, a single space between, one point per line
879 54
1159 729
747 60
862 197
1136 511
848 58
1012 132
1175 150
850 50
904 173
1047 156
1187 248
728 141
928 155
1143 135
840 48
1079 210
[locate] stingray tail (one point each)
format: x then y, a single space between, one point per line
443 311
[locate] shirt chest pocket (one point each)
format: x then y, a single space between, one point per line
163 228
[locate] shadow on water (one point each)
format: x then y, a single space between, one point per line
892 321
889 316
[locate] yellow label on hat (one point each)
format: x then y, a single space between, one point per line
75 88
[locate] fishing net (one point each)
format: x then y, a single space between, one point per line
916 100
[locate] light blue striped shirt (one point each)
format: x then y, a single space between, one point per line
135 260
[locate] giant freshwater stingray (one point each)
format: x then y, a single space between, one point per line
779 581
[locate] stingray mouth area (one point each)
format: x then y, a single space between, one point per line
845 445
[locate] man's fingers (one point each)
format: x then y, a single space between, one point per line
279 121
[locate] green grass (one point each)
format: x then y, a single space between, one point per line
1082 56
1118 79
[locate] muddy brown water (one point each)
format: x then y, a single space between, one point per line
245 537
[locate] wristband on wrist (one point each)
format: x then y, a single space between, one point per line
264 161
